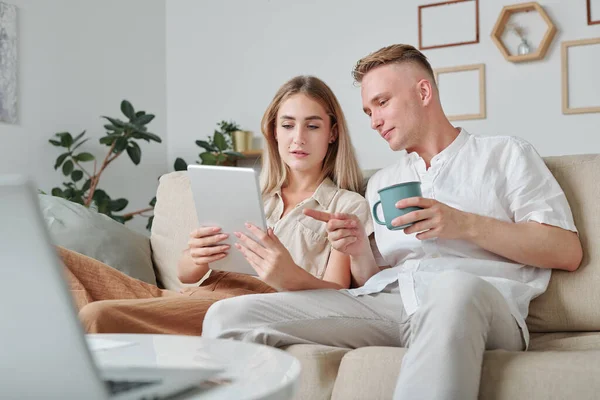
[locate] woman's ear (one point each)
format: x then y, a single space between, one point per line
334 134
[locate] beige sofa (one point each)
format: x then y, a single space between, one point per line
564 357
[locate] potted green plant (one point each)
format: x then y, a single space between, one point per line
81 184
218 149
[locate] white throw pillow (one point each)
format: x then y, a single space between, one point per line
96 235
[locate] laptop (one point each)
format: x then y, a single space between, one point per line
44 353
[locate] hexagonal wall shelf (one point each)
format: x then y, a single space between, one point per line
500 26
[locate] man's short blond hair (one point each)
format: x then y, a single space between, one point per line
394 54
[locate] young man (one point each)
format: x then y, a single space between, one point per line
493 223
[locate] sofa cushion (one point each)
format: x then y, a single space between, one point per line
572 299
565 341
174 218
95 235
368 373
371 373
319 368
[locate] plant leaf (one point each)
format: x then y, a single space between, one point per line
55 142
152 202
121 144
180 164
57 192
76 175
118 204
143 119
78 137
208 158
66 140
149 224
78 198
137 114
134 152
221 157
205 145
100 195
127 109
79 144
234 154
220 141
84 157
151 136
69 194
86 185
116 122
67 167
108 140
60 160
102 205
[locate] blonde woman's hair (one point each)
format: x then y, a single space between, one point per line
339 164
394 54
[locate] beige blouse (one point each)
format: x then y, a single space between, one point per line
306 238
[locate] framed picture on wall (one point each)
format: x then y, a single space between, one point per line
461 17
462 91
593 12
580 77
8 63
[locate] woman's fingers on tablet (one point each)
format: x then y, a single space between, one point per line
207 240
259 233
250 244
208 260
208 251
204 231
254 259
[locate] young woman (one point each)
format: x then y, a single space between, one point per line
309 163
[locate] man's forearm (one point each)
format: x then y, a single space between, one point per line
528 243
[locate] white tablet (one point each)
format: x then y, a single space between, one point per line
228 197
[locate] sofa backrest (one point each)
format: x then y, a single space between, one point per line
174 219
571 303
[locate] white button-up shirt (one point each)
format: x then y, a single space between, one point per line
496 176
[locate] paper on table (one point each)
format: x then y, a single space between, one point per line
96 344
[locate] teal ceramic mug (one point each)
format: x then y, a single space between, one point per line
389 196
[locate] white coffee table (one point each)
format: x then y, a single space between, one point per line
254 371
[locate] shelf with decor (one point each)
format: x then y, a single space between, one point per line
252 153
502 24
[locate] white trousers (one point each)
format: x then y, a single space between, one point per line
461 317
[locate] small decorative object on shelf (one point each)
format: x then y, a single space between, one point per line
525 50
242 141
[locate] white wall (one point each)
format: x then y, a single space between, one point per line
77 61
226 59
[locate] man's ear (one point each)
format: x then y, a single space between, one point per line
425 91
